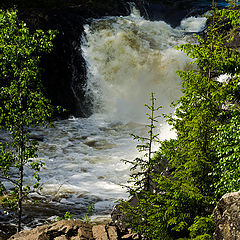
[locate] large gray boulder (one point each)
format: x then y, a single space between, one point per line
227 217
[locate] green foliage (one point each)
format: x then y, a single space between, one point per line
203 161
232 3
226 143
90 212
86 218
22 104
144 166
202 228
147 218
67 216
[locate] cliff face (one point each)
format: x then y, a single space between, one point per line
64 71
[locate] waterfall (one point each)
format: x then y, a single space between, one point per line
127 58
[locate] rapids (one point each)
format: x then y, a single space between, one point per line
127 58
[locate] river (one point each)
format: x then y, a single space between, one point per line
126 58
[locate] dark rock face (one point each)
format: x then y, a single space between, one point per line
173 12
227 217
64 71
64 66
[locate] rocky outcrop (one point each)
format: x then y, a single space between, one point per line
74 230
60 230
227 217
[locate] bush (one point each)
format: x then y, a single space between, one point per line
226 143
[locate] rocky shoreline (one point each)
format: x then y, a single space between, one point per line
226 217
75 230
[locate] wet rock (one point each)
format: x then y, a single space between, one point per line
227 217
38 138
162 10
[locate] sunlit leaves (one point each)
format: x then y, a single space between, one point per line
22 104
203 162
227 145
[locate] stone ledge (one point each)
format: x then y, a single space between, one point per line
74 230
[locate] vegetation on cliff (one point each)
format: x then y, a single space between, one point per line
203 161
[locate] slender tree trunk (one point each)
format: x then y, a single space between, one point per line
20 190
150 142
20 194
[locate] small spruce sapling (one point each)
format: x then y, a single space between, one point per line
142 167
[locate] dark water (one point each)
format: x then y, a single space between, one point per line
173 12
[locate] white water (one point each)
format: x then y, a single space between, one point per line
127 58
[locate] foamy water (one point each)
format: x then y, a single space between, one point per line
127 58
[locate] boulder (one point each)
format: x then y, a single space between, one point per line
100 232
227 217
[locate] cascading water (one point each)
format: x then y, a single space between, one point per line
127 58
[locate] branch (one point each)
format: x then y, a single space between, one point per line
10 180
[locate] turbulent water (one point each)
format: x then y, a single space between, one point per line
127 58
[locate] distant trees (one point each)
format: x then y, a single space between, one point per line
22 104
204 159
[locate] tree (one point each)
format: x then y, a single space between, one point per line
226 144
186 195
22 103
145 165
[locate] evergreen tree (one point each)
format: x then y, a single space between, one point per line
144 166
186 195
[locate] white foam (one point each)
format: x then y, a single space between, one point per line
127 58
223 78
193 24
